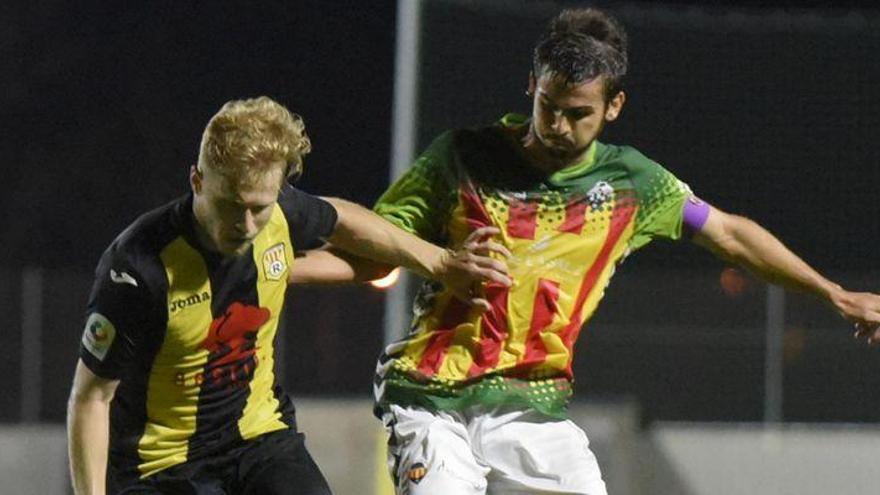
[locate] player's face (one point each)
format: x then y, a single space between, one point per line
566 118
231 214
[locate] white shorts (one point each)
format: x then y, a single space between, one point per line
499 451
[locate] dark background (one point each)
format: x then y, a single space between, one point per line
767 109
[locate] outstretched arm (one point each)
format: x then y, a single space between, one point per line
331 266
742 241
88 430
374 245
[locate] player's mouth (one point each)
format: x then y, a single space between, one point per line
558 142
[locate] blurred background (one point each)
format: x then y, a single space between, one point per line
690 370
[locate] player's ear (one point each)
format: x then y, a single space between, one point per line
195 179
615 105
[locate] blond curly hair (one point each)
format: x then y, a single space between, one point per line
246 139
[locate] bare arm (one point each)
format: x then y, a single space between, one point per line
368 236
88 430
742 241
332 266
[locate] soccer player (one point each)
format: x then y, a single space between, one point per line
184 310
476 402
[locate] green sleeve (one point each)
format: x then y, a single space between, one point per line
420 201
661 198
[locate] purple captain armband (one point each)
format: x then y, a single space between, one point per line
695 213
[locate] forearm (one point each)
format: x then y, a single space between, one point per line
742 241
367 235
332 267
749 245
88 433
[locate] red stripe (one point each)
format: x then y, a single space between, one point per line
494 330
454 314
575 212
476 217
620 218
522 220
474 211
544 308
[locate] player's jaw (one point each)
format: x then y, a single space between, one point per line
559 146
566 118
230 215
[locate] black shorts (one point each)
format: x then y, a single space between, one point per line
273 464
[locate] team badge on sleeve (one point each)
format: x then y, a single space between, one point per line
98 335
274 263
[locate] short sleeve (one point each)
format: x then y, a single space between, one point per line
661 198
310 219
118 316
420 200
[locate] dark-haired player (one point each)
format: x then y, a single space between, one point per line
475 403
175 382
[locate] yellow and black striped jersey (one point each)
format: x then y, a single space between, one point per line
190 333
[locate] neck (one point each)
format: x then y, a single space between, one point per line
199 230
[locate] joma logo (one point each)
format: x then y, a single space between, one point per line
183 302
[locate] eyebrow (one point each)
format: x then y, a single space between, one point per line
546 98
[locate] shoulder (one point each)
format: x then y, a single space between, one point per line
626 156
134 255
495 137
492 156
296 203
310 219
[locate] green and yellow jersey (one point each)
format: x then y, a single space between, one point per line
566 233
189 333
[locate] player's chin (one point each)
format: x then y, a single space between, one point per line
559 148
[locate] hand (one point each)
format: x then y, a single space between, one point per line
463 270
862 309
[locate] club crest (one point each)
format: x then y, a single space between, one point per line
274 262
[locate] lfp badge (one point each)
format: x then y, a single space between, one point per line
274 263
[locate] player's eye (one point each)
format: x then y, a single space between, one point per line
257 210
546 105
580 113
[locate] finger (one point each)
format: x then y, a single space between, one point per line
482 233
491 264
479 304
871 334
474 263
866 328
491 275
487 247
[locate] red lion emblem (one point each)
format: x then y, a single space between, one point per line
231 342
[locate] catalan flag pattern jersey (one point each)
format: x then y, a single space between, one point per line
566 233
190 333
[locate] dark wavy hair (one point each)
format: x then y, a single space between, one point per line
580 45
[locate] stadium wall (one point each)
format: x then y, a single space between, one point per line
667 459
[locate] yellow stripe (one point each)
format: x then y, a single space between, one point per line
561 257
176 375
261 411
617 253
416 347
459 354
558 256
